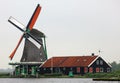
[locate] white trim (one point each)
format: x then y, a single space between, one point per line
101 69
43 63
93 61
109 64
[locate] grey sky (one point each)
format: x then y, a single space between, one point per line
72 27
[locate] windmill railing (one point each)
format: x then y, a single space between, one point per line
26 63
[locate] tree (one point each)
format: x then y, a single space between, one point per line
115 66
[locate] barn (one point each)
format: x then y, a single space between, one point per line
75 64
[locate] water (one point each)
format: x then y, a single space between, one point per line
52 80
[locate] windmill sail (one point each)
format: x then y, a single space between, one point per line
31 52
34 17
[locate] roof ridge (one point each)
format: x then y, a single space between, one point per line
74 56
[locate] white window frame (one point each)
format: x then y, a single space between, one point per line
91 70
101 62
108 69
97 62
101 69
86 69
97 69
78 68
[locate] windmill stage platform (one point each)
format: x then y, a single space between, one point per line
26 69
26 63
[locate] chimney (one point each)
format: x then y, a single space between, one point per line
93 54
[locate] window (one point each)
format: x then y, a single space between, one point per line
64 68
40 53
51 68
101 62
97 69
90 69
57 70
78 69
101 69
108 69
97 62
41 59
71 68
85 69
44 68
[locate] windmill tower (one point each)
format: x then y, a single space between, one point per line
34 53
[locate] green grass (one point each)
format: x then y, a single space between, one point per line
111 75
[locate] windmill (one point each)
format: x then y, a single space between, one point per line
35 44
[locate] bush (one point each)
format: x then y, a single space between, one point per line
96 75
115 74
3 75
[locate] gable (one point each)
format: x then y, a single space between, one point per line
99 62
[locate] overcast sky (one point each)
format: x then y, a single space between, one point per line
72 27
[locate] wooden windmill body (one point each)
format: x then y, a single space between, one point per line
32 52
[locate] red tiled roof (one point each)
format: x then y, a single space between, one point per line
69 61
